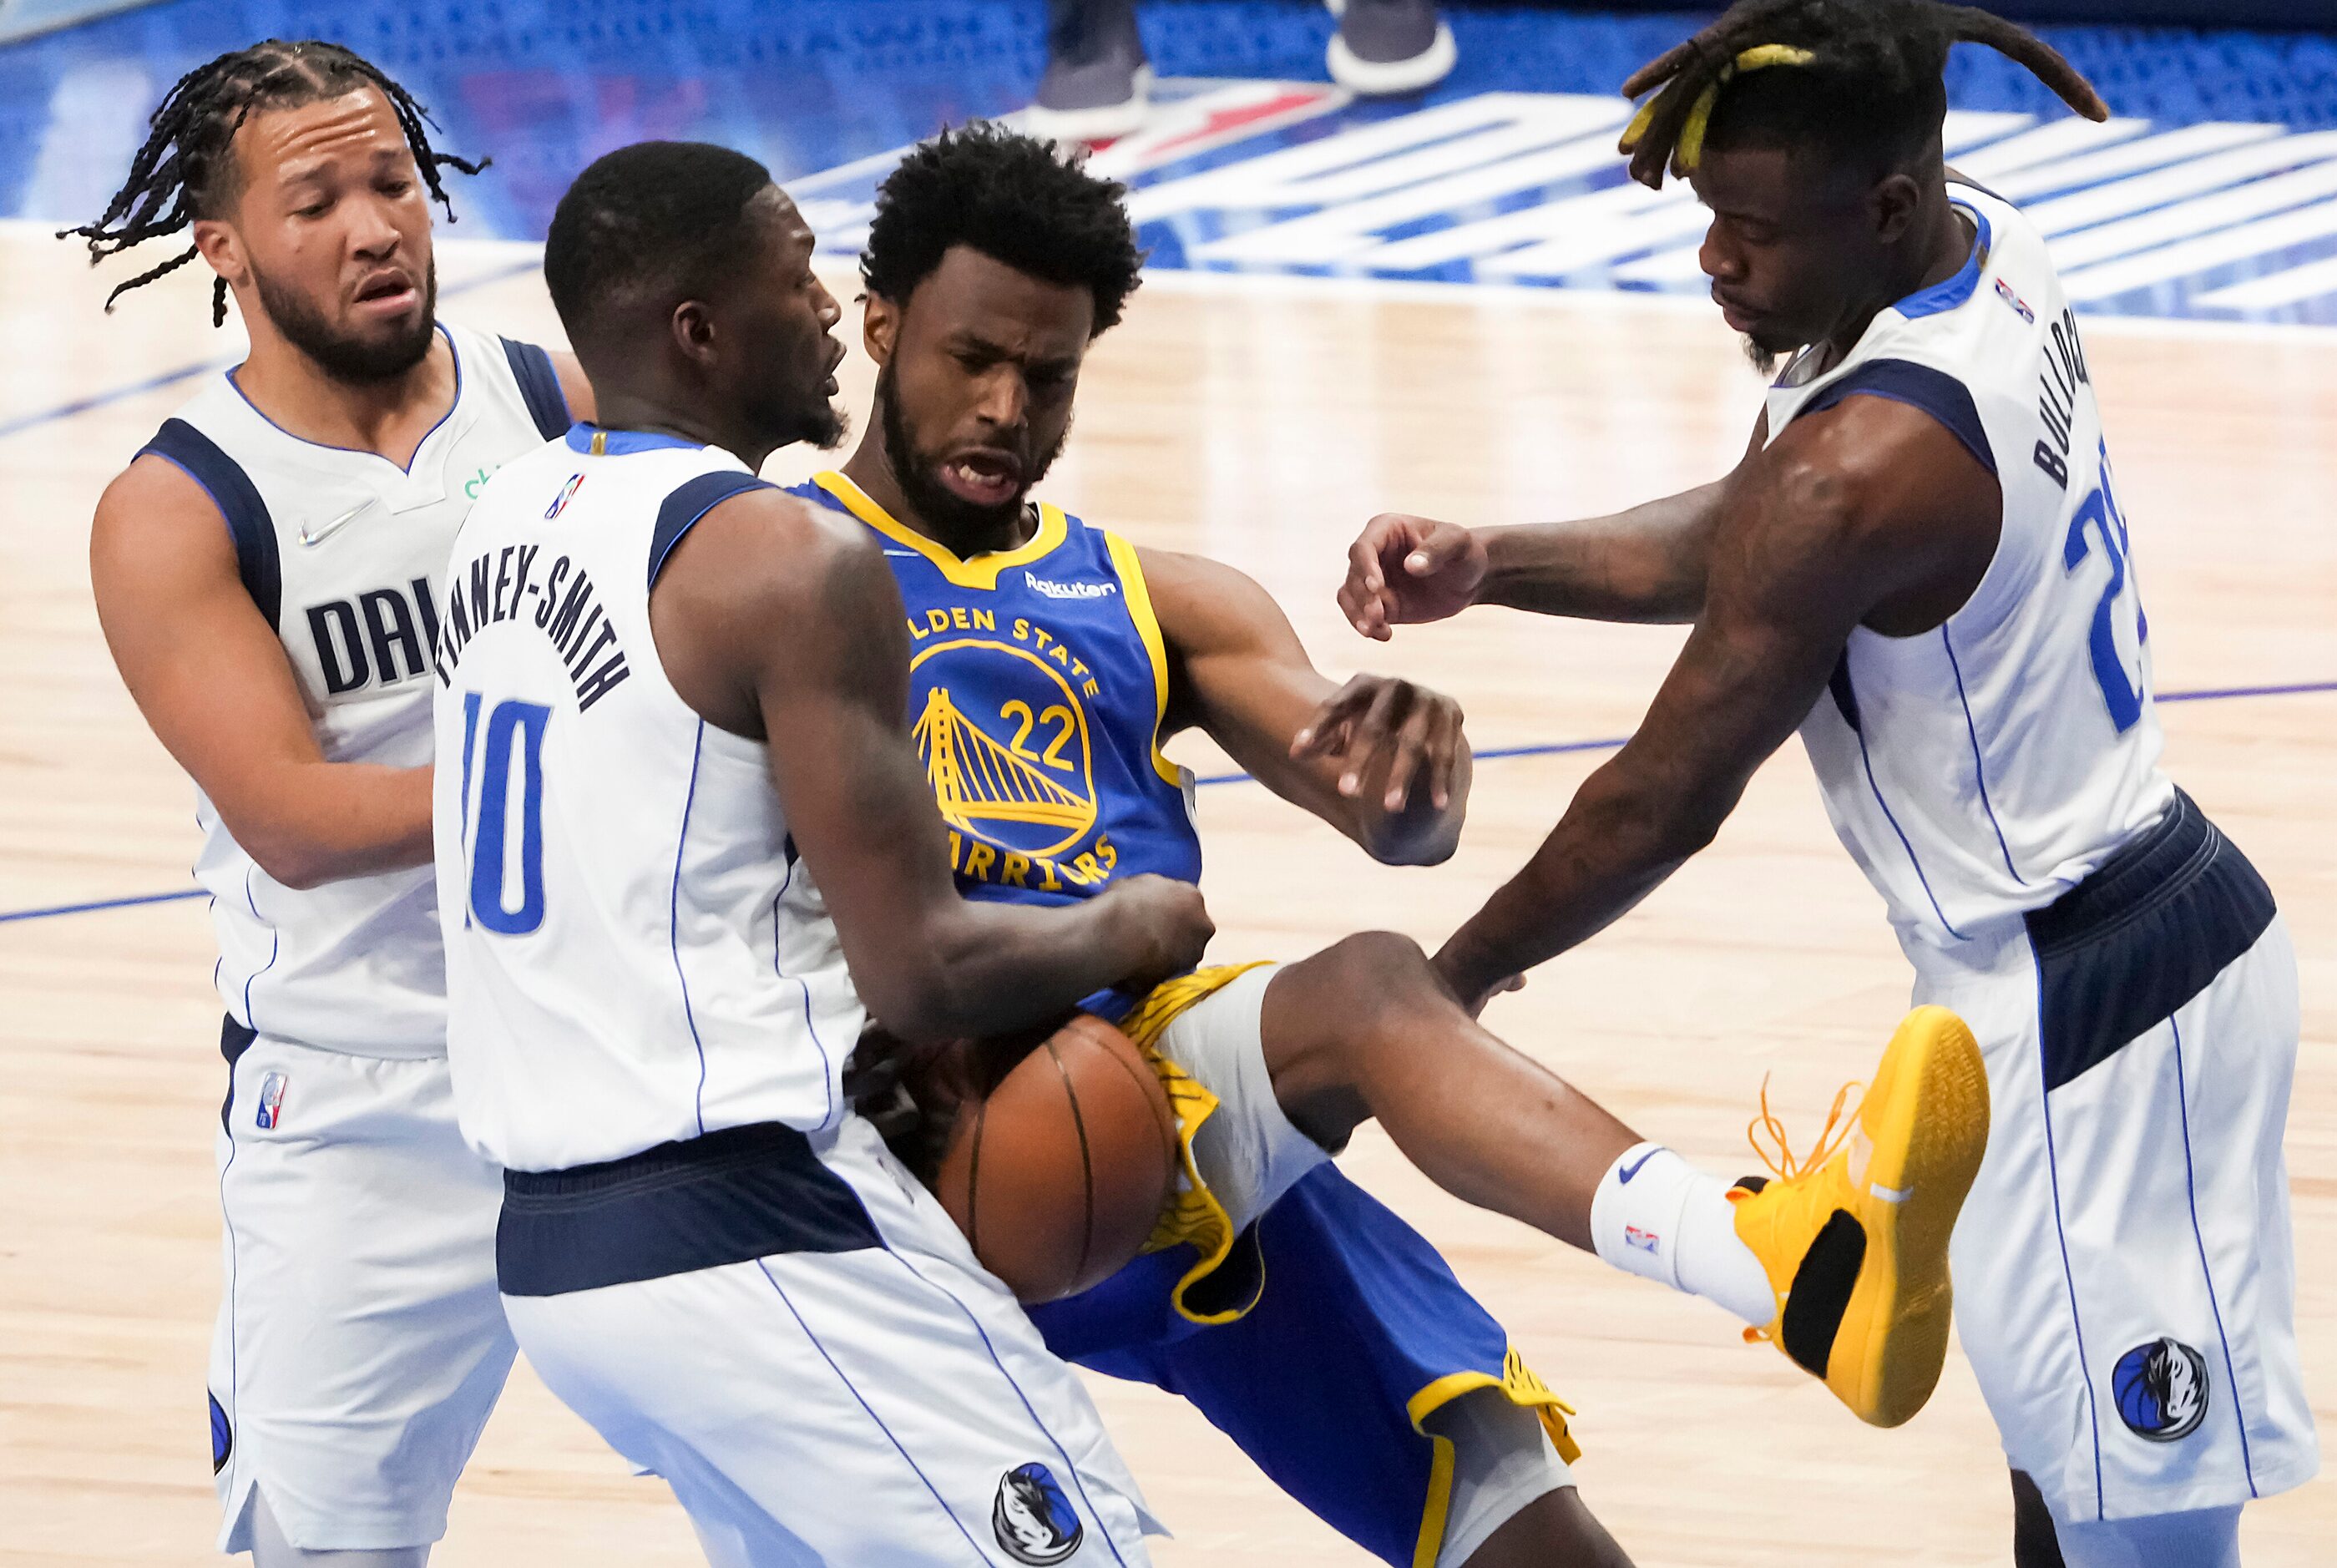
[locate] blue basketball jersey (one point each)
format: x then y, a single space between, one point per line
1038 685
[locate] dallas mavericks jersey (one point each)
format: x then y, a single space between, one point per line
634 954
342 552
1977 771
1038 683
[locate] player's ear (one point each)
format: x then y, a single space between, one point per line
221 248
1892 207
691 326
880 326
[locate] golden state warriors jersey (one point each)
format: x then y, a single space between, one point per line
1038 685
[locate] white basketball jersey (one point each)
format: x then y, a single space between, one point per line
1980 770
634 952
342 550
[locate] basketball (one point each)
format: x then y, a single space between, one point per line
1057 1176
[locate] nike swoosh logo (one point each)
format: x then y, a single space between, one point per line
1627 1171
324 531
1891 1194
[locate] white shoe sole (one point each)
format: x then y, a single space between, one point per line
1100 124
1387 78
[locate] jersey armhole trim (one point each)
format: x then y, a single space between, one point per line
693 500
539 387
1934 392
1138 598
249 525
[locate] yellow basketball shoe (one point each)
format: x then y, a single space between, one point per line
1855 1236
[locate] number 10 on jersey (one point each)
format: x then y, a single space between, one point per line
506 870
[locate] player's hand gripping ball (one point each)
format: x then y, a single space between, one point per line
1058 1175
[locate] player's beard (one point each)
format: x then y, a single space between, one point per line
359 361
937 503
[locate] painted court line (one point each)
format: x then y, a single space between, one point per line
1490 754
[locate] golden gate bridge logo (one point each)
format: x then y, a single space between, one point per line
1034 786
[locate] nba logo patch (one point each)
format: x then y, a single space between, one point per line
1033 1518
271 1103
567 494
2162 1390
2004 292
1645 1240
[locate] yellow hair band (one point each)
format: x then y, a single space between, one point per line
1688 150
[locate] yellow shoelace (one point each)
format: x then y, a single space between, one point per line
1785 1164
1830 1137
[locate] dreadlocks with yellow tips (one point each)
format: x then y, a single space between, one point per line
1863 70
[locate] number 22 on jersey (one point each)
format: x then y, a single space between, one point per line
2097 517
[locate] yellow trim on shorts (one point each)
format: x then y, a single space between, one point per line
978 571
1138 598
1523 1387
1193 1212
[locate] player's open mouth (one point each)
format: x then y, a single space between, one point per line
387 293
985 478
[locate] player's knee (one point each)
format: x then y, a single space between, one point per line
1384 966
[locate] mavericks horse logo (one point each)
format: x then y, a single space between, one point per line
2162 1390
1033 1519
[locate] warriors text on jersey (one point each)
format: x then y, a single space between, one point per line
341 551
1980 771
634 952
1038 681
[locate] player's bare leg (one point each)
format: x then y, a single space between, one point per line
269 1549
1553 1531
1842 1261
1364 1030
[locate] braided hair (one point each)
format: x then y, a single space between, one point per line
186 169
1849 73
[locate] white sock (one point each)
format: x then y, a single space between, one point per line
1657 1216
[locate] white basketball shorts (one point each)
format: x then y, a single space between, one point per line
360 1343
2123 1270
790 1330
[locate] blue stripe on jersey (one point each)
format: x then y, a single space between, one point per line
539 387
231 490
683 508
1953 291
1036 697
1935 392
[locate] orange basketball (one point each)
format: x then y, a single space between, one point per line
1058 1176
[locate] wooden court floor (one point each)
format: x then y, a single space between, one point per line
1261 425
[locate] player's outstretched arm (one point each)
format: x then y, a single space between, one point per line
209 673
1646 565
1870 513
1380 760
776 621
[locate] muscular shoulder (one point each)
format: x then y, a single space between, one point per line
1878 496
155 517
764 552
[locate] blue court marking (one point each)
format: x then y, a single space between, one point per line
1490 754
80 405
97 904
